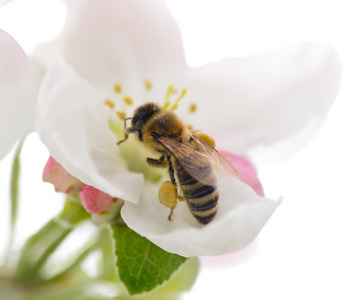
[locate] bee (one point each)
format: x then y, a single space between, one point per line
189 158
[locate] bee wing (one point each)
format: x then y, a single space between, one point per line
203 147
195 163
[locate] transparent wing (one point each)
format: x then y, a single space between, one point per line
203 147
195 163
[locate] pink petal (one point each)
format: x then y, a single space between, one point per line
55 174
247 172
94 200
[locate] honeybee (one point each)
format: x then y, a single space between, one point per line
189 158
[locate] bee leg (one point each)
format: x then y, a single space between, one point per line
158 163
171 171
170 215
173 180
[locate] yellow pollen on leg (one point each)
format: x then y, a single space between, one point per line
109 103
208 139
117 87
121 114
193 107
180 198
167 195
128 100
148 84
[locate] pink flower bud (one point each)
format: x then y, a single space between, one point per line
94 200
247 172
55 174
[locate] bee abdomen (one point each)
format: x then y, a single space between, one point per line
204 208
201 199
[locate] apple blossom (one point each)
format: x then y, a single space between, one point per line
118 53
19 85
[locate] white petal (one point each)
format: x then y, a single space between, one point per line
110 40
241 215
19 84
73 123
263 99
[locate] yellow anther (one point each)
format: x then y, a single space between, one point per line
208 139
167 194
128 100
166 104
175 105
172 89
148 84
193 107
109 103
117 88
121 114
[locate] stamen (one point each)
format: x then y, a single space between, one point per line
170 91
109 103
148 84
128 100
121 114
167 194
175 105
117 88
193 107
208 139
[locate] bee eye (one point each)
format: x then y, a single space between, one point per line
137 118
155 135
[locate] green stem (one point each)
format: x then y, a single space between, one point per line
38 249
14 197
80 257
42 245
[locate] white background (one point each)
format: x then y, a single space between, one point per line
311 247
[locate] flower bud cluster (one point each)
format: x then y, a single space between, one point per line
102 206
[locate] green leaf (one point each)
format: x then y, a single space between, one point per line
184 278
141 265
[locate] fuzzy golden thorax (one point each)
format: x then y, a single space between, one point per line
165 124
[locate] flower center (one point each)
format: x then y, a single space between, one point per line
121 106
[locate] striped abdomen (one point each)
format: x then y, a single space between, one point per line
201 199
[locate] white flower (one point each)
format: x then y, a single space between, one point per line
19 85
242 103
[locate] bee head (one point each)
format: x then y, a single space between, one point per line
143 113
